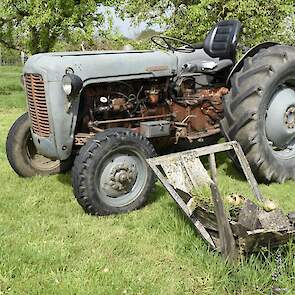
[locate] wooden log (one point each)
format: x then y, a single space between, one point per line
264 238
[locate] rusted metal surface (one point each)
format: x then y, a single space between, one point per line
201 109
97 123
184 176
37 106
195 112
196 135
81 138
153 95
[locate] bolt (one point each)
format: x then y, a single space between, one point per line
115 186
123 177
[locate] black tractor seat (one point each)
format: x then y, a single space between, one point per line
222 40
220 44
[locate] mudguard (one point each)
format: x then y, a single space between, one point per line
251 52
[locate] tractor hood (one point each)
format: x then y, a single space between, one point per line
105 66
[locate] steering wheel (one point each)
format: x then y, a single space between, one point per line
168 46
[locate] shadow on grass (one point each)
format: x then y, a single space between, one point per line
65 178
157 192
224 161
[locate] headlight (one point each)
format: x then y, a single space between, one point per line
71 84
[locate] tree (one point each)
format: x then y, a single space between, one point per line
146 34
191 20
36 25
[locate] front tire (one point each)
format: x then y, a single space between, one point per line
259 112
22 154
110 174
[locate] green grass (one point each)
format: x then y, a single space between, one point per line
49 246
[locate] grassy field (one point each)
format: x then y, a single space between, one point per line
49 246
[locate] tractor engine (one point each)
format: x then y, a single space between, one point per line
191 112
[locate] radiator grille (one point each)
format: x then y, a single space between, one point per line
37 104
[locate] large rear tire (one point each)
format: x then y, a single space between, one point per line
110 174
23 156
259 112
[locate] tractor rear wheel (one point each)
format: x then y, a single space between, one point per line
259 112
23 156
110 174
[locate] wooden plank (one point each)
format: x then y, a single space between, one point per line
196 171
198 175
226 237
177 175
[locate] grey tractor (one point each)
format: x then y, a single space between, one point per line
103 113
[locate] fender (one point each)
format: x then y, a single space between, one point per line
251 52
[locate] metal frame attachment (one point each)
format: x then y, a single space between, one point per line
182 172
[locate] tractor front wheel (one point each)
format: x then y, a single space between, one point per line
23 156
110 174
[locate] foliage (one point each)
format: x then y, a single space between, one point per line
110 41
191 20
9 56
36 25
146 34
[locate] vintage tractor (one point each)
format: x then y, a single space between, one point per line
108 111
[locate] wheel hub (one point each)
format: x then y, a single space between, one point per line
280 119
290 117
119 176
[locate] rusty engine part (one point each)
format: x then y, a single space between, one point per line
81 138
201 110
153 95
111 102
195 113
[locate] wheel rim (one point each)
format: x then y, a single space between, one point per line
38 161
122 177
280 122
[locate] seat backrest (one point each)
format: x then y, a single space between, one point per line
222 39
